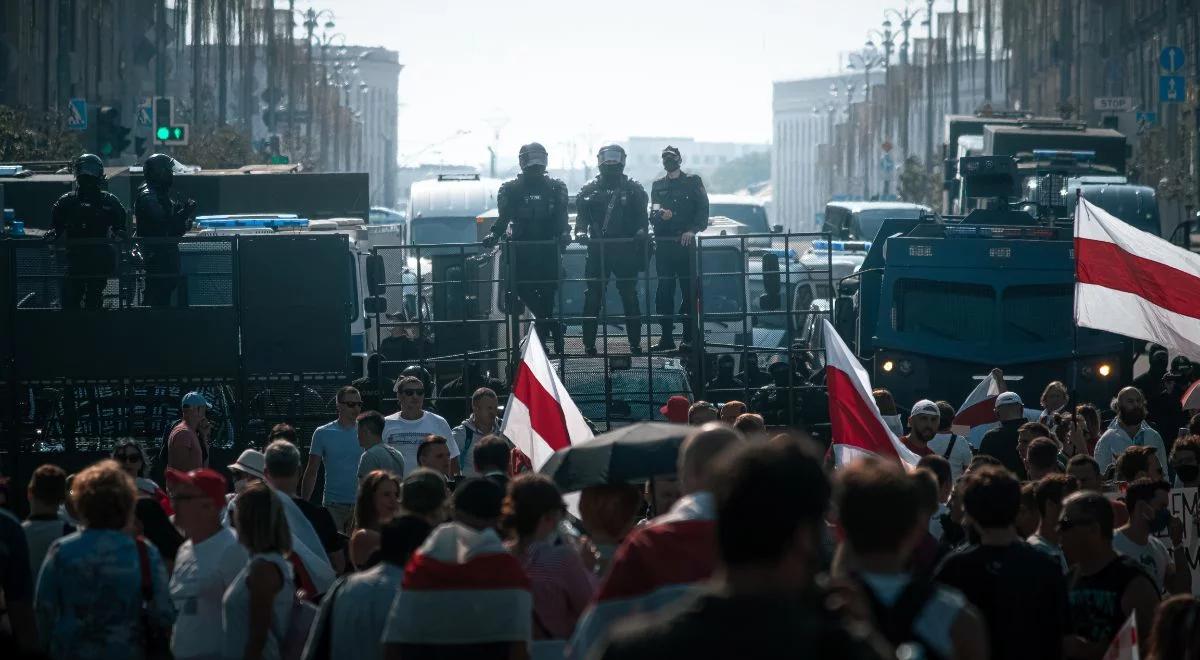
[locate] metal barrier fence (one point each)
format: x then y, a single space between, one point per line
461 311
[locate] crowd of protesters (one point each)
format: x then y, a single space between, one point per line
1036 538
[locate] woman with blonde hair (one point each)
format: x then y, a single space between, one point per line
101 592
378 502
257 606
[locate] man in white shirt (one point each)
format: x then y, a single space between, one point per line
1128 429
953 448
406 429
206 564
1149 515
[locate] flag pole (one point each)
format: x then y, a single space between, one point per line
1075 314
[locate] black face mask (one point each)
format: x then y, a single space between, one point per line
670 164
1187 473
611 170
534 170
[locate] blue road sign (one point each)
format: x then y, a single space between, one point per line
1172 59
1147 117
1172 89
145 112
77 115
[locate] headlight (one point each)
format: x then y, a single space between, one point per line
888 366
1104 370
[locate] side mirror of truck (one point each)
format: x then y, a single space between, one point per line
844 317
769 300
776 229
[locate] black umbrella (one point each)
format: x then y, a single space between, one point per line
629 454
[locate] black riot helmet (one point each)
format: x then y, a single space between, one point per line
88 169
611 160
159 170
533 158
417 371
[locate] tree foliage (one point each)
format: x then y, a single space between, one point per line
223 147
740 173
917 184
26 137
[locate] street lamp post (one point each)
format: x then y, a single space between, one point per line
312 19
887 39
904 17
928 82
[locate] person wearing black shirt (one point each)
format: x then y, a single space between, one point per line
160 216
88 212
763 601
16 583
1019 590
1103 587
679 211
1001 442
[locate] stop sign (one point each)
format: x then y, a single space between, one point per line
886 146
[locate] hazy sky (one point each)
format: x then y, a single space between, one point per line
567 72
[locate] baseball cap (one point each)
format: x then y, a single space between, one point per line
252 462
1008 399
195 400
209 482
925 407
674 151
676 409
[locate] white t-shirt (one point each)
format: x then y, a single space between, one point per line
1154 557
960 454
203 571
407 434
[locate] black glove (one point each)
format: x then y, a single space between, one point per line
582 239
490 240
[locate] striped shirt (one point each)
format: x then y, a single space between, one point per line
561 585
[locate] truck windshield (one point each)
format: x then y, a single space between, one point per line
1037 313
751 215
429 231
868 221
945 311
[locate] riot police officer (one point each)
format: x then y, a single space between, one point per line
535 206
678 211
88 212
160 216
612 222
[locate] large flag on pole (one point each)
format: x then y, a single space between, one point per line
1125 645
1134 283
980 406
540 417
858 427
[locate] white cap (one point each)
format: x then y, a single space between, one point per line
925 407
1008 399
252 462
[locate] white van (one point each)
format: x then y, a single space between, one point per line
447 209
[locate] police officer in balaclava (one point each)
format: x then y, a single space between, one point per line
87 212
159 216
533 209
613 222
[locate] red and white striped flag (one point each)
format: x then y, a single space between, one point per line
462 587
540 417
1134 283
979 408
858 427
1125 645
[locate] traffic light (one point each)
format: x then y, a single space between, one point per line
111 137
166 131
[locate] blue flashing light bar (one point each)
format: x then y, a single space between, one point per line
841 246
287 221
991 231
1083 156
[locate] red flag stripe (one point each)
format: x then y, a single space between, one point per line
545 413
1105 264
493 571
853 421
980 412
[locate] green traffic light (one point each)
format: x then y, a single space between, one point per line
163 133
178 131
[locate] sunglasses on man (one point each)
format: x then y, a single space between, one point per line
412 392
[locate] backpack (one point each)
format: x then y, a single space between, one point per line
895 623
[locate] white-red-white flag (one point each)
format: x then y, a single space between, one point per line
858 427
540 417
1134 283
1125 645
979 408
